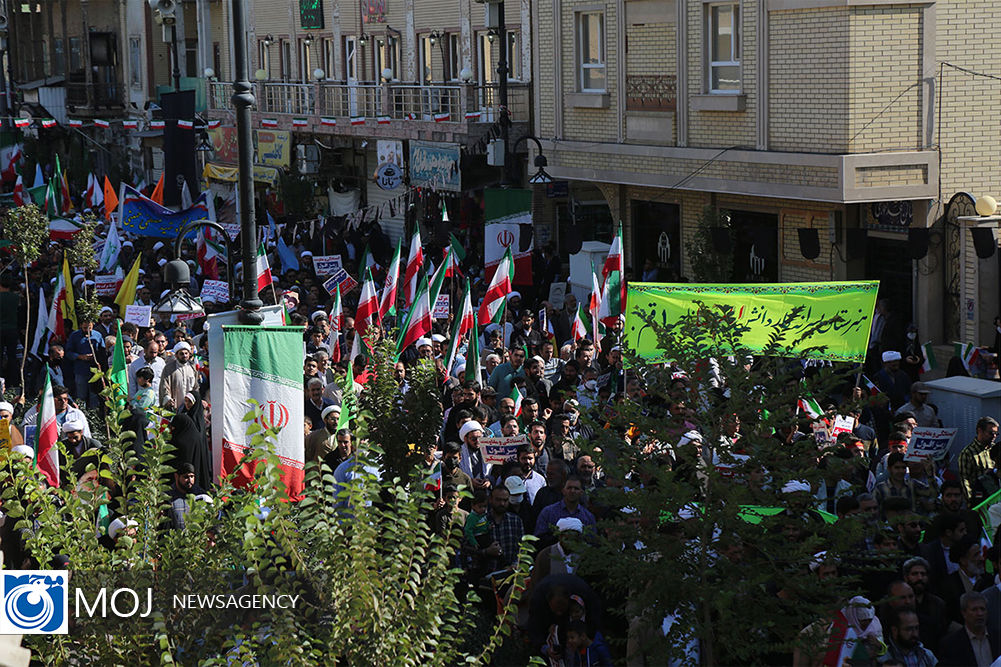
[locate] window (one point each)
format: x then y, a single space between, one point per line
486 58
427 49
217 60
327 57
76 55
285 53
59 64
724 48
454 56
191 58
387 56
513 55
305 61
263 57
351 59
591 51
135 62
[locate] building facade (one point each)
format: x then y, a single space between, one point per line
840 116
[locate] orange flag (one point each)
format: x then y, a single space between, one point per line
110 199
157 195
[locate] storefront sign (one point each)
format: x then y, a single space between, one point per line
311 14
759 307
373 11
389 150
388 176
274 147
435 165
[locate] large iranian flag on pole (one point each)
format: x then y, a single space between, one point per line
508 214
47 451
264 364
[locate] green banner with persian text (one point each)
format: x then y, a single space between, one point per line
847 307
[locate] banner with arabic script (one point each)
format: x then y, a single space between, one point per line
760 306
435 165
144 217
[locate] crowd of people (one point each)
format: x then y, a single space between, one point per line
536 376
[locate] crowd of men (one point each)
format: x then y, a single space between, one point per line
935 604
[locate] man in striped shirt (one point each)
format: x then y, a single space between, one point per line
975 458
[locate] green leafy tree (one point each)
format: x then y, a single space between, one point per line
377 584
28 228
716 551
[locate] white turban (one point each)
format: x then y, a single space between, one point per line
4 405
183 345
570 523
468 428
796 485
72 426
891 355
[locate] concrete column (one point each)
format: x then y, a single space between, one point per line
410 45
204 14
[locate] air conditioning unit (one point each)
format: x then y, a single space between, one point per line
307 158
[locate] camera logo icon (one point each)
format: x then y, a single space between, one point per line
35 602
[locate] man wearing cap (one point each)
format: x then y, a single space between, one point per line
81 349
322 441
892 381
923 412
178 378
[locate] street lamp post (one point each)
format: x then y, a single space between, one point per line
502 69
243 100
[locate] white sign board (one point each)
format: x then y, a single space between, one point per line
929 443
215 290
441 308
138 315
327 265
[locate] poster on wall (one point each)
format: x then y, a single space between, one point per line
435 165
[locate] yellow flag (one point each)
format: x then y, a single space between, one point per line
69 307
127 292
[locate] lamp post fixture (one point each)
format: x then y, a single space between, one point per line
540 177
177 274
243 100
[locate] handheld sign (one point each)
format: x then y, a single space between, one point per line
841 425
326 265
138 315
107 285
441 308
215 290
929 443
340 277
499 450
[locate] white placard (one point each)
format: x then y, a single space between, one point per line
929 443
441 308
215 290
327 265
138 315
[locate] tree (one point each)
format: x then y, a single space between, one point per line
28 228
717 549
376 584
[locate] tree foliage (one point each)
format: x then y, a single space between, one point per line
693 552
28 228
378 585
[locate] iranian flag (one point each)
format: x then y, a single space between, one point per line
47 452
263 270
508 214
9 157
928 351
613 295
578 330
63 228
870 386
19 191
546 327
414 262
111 250
463 325
500 286
419 320
516 396
968 353
368 307
55 324
263 364
593 306
810 407
95 193
387 305
336 323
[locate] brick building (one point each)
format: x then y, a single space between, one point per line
832 115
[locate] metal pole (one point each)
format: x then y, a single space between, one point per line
502 89
176 60
243 100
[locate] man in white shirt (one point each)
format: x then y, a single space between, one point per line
149 358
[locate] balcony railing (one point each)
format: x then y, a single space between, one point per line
101 95
439 103
290 98
399 101
651 92
350 100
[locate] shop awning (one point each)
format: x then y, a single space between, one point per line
225 172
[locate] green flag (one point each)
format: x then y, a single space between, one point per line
347 398
473 352
119 374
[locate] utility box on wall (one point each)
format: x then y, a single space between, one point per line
961 401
